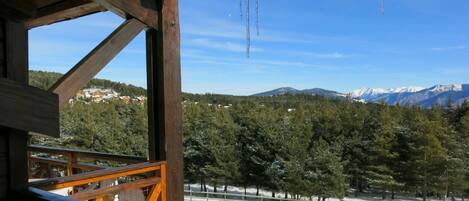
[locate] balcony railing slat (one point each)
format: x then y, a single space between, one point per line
87 154
82 166
82 185
98 175
114 189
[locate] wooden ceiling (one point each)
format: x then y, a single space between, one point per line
43 3
36 13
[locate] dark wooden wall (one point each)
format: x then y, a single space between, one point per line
3 144
3 167
13 143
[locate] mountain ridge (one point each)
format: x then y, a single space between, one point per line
293 91
409 96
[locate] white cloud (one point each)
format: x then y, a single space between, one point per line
202 25
205 58
333 55
219 45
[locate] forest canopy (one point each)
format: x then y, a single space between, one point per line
297 144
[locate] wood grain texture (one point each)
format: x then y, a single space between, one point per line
80 166
63 10
2 53
87 154
164 181
33 194
2 48
44 3
97 175
3 187
164 91
143 10
3 131
75 79
114 189
29 108
17 11
16 52
3 156
16 70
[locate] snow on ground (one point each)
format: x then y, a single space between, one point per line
198 196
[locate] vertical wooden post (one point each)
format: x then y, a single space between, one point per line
30 165
71 160
15 67
164 96
164 196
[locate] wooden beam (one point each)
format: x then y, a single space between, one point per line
15 68
164 96
63 10
44 3
37 194
98 175
154 193
117 188
75 79
17 11
87 154
143 10
16 52
81 166
28 108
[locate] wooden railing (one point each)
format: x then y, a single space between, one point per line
43 160
89 177
35 194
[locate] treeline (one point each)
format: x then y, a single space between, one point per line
111 127
44 80
297 145
311 146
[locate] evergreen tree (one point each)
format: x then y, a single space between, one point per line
378 171
324 173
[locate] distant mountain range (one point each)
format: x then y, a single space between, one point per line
290 90
424 97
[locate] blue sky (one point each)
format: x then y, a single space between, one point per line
333 44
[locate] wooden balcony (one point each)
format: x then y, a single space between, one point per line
86 175
26 110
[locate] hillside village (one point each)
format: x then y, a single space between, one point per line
98 95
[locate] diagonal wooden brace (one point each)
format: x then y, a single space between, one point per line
143 10
75 79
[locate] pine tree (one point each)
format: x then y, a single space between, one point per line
324 172
427 155
378 171
222 143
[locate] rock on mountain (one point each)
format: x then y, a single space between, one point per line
436 95
371 93
407 96
290 90
278 92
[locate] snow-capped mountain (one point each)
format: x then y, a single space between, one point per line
408 96
371 93
445 88
424 97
